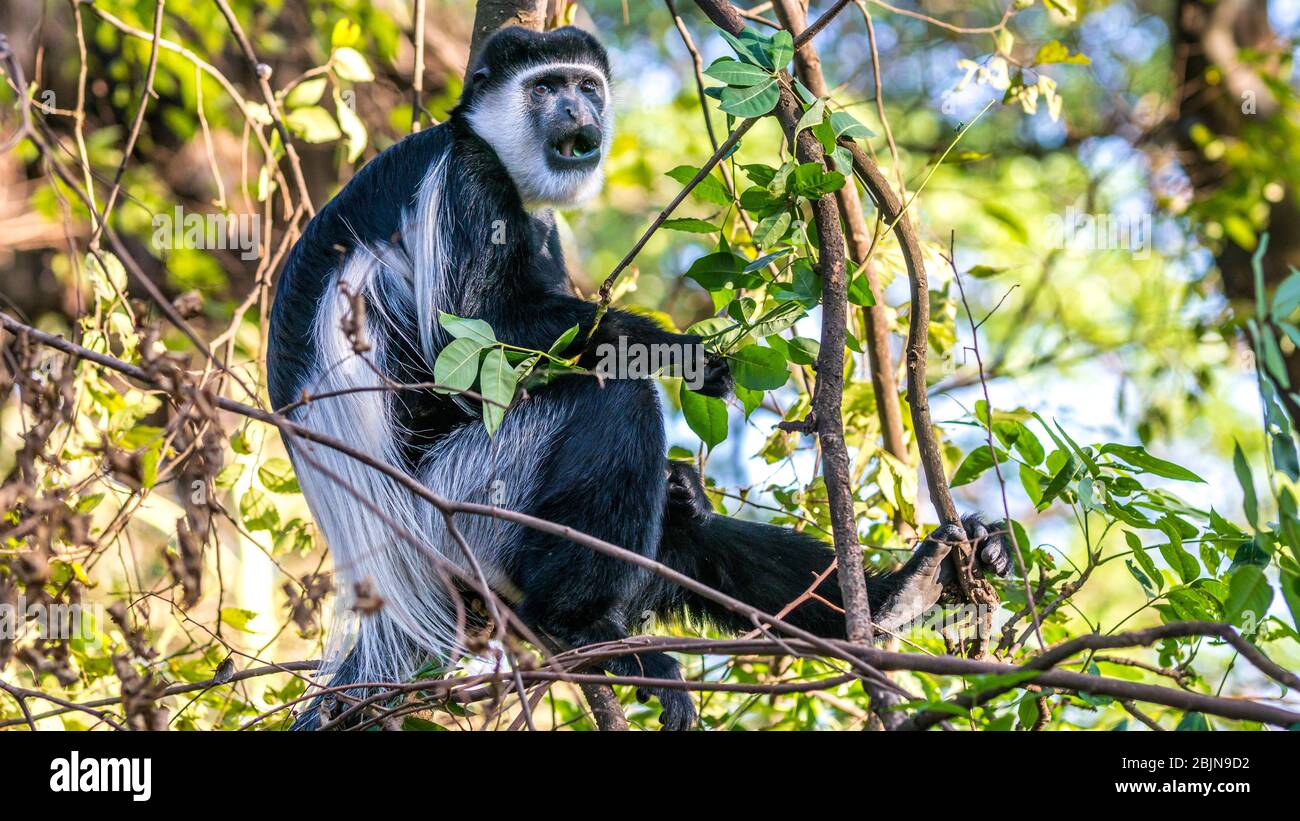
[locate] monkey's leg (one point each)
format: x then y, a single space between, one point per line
578 597
602 475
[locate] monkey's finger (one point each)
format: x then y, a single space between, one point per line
996 557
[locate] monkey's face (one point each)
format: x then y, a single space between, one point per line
551 126
567 107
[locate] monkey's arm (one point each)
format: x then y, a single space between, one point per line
552 314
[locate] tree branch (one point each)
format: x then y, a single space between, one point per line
829 392
490 16
884 384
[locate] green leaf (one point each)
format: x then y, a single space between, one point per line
1005 40
761 202
149 464
860 291
1192 604
1083 454
754 101
976 462
88 502
1064 7
760 175
1249 596
749 399
475 329
497 381
352 127
1249 502
690 225
710 189
802 350
1287 297
985 271
1240 231
758 368
1033 482
804 94
812 181
706 416
846 125
1143 558
779 319
843 159
1057 52
457 365
562 342
771 229
1192 722
781 50
1059 482
813 116
257 511
1139 458
1183 563
237 618
277 476
735 73
750 48
722 270
307 92
1290 585
313 124
805 287
349 64
766 259
1143 579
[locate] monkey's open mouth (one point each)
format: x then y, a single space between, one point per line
580 146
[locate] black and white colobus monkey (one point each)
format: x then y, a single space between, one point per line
453 219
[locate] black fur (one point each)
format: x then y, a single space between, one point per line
768 567
516 49
604 472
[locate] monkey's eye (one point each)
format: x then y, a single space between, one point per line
588 86
541 89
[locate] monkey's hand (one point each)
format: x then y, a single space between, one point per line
687 501
716 380
992 545
920 584
717 376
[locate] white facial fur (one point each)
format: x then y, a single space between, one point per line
500 117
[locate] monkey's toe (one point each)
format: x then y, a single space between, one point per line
678 710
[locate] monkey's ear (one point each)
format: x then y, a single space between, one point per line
479 76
